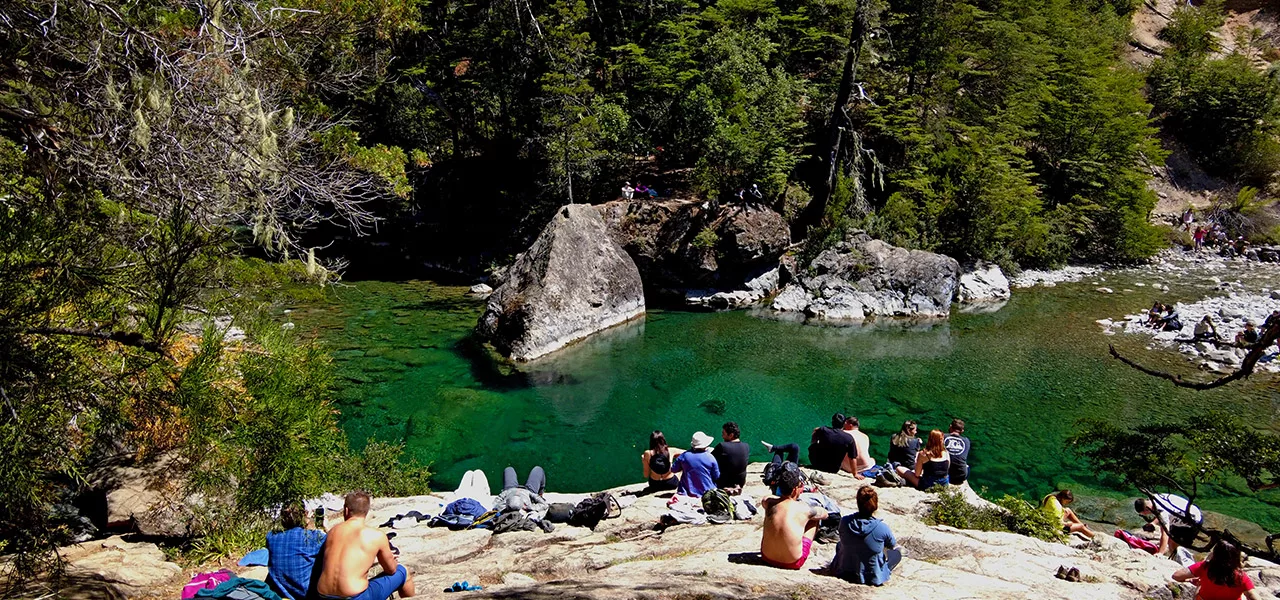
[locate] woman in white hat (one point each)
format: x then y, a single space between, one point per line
698 469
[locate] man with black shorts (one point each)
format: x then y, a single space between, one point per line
1178 519
732 455
833 448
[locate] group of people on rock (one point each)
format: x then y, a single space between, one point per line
1213 235
790 522
1165 318
640 189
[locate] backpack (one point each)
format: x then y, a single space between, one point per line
591 511
718 506
484 521
560 512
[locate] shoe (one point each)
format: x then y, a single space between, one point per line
1073 575
1062 572
767 445
883 481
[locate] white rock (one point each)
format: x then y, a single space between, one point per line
985 283
481 289
1105 290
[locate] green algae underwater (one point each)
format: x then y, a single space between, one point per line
1021 377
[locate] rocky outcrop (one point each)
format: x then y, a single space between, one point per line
862 278
690 246
149 499
114 568
982 282
573 281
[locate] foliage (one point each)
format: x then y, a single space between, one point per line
1010 514
1181 456
381 470
707 239
1226 111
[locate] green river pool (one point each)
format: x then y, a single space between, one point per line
1020 377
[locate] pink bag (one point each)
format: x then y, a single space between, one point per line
201 581
1137 542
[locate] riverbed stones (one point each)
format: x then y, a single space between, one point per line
573 281
861 278
982 282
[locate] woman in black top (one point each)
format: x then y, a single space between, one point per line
657 463
904 445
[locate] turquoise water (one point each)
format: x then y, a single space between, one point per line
1020 377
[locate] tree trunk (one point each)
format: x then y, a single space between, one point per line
829 152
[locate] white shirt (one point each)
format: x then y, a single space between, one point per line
1171 508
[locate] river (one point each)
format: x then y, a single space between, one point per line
1021 377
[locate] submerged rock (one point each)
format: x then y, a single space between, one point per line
862 277
573 281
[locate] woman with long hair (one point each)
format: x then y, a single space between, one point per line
657 462
1221 576
904 446
932 464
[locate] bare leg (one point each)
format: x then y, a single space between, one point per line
1081 529
910 476
408 589
1073 521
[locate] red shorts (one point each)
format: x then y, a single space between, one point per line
805 544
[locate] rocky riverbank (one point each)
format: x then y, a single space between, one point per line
627 558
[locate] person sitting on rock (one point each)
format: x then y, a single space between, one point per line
958 447
832 449
1055 505
732 456
525 498
863 461
628 192
350 549
867 551
657 464
904 446
1249 335
1170 321
933 464
1220 575
1178 519
1205 330
292 552
789 524
1154 315
698 469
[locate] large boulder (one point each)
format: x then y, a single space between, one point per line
150 498
861 278
682 245
573 281
982 282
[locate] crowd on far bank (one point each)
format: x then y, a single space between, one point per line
304 563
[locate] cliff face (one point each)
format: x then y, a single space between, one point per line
627 558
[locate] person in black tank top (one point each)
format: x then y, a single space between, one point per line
656 462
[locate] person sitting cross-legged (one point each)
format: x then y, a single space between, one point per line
350 549
867 550
789 523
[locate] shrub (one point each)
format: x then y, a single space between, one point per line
706 239
1012 514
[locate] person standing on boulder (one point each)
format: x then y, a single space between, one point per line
958 447
697 468
732 456
789 524
350 549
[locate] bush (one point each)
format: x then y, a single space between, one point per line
1011 514
707 239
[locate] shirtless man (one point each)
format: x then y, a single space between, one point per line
350 548
863 443
789 524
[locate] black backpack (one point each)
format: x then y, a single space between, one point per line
560 512
591 511
512 521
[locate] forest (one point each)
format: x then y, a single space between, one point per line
164 160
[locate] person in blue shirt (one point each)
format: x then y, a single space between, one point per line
697 467
293 553
867 551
